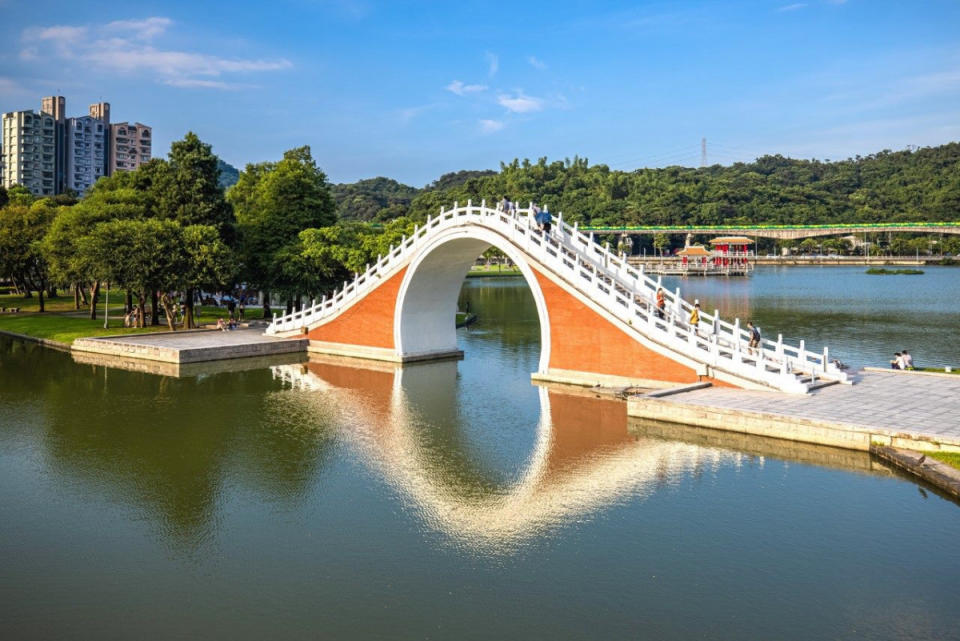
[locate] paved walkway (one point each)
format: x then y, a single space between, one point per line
926 406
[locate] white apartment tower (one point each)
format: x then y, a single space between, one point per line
30 151
86 152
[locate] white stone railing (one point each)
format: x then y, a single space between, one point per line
609 281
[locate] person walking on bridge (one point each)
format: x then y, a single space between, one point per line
754 336
545 220
661 303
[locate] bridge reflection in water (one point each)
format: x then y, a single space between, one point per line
404 421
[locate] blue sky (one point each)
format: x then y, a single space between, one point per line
412 90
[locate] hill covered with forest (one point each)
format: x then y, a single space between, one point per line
921 185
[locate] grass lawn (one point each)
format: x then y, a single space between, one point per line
939 370
950 458
479 271
63 328
58 304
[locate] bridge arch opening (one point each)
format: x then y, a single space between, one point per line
427 301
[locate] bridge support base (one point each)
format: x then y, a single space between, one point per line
380 353
591 379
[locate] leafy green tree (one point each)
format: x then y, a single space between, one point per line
22 230
20 195
110 199
660 242
274 202
187 190
4 198
138 255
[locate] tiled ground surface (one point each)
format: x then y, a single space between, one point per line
920 405
196 340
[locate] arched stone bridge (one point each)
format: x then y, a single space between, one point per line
597 316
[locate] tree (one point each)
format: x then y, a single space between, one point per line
187 190
4 198
660 242
20 195
274 202
22 230
110 199
138 255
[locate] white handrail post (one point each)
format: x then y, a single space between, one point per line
825 359
483 204
716 322
780 345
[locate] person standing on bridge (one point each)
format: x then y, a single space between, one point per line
695 317
504 205
661 303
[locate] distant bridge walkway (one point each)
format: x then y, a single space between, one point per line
779 231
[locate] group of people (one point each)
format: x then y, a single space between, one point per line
902 360
228 325
694 320
542 217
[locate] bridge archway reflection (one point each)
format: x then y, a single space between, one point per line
583 457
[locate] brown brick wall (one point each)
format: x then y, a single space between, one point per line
582 340
369 322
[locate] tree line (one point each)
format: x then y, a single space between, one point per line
920 185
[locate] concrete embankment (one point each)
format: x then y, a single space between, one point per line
885 412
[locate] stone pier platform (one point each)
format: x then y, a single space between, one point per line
193 346
882 408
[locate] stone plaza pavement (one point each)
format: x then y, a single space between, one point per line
925 407
191 346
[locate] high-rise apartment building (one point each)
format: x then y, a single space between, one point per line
56 106
130 146
86 152
101 111
49 153
30 151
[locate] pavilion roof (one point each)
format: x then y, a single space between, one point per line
693 250
731 240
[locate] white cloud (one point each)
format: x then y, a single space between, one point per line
536 63
461 89
520 103
493 63
792 7
140 29
124 46
491 126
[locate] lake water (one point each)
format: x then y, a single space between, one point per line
458 501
